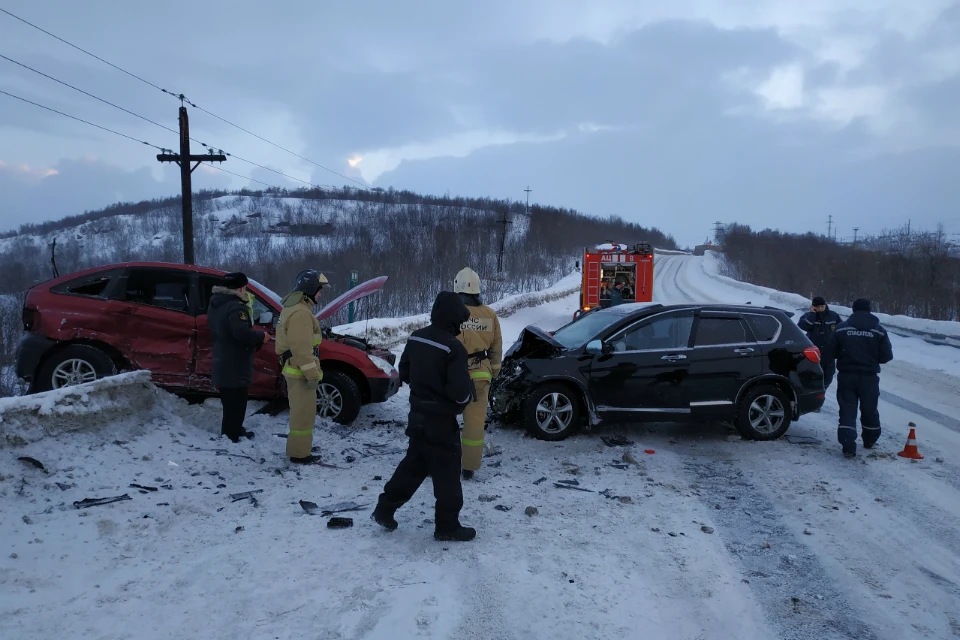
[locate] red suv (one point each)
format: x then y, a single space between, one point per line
148 315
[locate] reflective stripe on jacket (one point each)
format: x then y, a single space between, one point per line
298 332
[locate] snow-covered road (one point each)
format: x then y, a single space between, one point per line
708 538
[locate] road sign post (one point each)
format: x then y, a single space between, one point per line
354 277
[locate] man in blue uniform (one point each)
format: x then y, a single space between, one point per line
860 346
820 323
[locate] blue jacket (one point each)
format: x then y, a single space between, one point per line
615 297
860 344
820 328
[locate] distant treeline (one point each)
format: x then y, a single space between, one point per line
914 274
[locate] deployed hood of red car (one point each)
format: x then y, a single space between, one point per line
358 292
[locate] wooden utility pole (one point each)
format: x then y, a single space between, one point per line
184 159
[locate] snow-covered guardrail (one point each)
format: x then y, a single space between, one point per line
391 332
84 407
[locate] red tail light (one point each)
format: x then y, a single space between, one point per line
812 354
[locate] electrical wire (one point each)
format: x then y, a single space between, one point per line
86 93
67 115
182 98
174 131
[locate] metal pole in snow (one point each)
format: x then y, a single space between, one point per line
354 276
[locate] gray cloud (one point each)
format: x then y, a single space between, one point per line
653 109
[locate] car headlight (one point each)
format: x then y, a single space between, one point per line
382 364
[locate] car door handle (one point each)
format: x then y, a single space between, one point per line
743 351
673 358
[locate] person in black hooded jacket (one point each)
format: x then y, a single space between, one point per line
820 323
434 365
860 346
235 343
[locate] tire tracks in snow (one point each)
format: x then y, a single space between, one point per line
800 598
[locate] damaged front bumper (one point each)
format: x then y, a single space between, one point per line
509 389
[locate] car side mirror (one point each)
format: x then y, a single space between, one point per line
266 318
595 347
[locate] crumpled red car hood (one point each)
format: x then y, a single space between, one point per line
360 291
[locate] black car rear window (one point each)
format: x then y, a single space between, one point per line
717 331
765 328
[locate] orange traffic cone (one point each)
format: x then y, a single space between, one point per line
910 449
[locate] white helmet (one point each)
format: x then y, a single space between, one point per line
467 281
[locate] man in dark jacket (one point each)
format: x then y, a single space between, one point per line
616 295
434 364
820 323
860 346
235 342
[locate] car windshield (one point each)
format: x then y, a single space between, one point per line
267 292
576 334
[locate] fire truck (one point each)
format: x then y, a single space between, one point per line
607 264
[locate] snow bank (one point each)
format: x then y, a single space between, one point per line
390 332
941 331
83 407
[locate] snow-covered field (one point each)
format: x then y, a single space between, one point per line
710 537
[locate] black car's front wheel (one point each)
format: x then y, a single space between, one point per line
764 413
552 412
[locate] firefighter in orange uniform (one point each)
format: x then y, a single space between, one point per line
481 337
298 345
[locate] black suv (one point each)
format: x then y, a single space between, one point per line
640 362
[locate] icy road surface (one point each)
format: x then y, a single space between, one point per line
708 538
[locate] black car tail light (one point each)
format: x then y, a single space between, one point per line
812 354
31 319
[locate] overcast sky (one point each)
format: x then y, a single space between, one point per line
671 113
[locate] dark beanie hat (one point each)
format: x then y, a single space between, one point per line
818 300
235 280
861 304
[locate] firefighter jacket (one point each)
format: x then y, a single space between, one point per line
235 342
298 338
860 344
480 335
434 363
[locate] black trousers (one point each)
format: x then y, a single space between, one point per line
855 389
234 401
434 451
829 371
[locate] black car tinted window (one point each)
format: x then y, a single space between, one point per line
713 331
663 332
578 333
158 288
765 328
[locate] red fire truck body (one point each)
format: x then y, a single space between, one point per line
607 264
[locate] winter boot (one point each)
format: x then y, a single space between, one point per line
460 534
849 454
467 474
384 517
248 434
311 459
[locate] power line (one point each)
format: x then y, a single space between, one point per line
86 93
278 146
67 115
272 186
184 99
153 122
70 44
